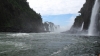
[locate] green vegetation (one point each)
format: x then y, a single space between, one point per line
17 16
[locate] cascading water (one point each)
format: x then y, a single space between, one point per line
82 26
92 28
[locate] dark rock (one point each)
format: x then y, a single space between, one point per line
84 17
77 23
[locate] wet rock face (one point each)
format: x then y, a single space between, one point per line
77 23
85 16
86 13
98 24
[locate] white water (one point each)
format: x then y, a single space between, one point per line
48 44
82 26
92 27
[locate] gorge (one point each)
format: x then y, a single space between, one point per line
17 16
22 32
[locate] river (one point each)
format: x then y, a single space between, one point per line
48 44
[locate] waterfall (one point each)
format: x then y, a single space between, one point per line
92 28
82 26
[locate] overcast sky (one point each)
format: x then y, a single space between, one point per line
55 7
60 12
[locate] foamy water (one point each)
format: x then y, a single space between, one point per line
48 44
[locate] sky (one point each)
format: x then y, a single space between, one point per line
60 12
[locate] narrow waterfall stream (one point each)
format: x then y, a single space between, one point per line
82 26
92 28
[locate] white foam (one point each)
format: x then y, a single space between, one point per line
56 52
19 34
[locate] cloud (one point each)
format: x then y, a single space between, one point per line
55 7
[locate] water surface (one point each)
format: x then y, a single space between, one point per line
48 44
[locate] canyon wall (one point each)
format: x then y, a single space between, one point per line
84 17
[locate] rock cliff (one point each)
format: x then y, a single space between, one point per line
17 16
84 17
